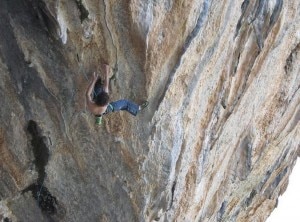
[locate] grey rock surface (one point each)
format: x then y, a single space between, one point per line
220 136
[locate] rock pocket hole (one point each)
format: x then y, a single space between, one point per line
46 201
40 150
243 158
84 14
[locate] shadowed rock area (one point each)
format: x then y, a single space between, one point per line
217 142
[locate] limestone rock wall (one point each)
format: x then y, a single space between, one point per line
217 142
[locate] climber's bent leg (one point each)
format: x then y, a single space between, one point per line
126 105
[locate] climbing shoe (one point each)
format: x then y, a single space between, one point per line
144 105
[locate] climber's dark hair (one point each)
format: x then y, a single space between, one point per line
102 99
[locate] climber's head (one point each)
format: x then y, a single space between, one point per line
102 99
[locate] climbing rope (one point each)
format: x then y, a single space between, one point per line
39 193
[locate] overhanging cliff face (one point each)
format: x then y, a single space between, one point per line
217 142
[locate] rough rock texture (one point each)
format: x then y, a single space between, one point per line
217 143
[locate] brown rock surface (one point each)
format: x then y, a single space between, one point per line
217 142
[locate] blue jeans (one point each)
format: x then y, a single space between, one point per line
123 104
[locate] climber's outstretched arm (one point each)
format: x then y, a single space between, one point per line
106 78
91 88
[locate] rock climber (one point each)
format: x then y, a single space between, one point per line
97 97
